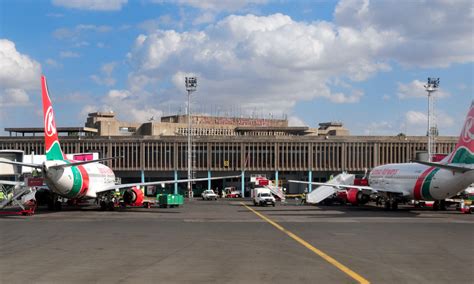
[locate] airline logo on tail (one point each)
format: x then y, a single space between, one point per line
49 124
468 131
51 142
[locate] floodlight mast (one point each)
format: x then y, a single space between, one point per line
191 86
431 87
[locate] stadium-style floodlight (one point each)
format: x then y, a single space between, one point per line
191 86
431 87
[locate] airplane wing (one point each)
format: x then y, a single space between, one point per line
70 164
346 186
37 166
450 167
118 186
8 182
337 186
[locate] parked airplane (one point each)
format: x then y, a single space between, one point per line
419 180
80 179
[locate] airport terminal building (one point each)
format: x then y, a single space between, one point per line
157 150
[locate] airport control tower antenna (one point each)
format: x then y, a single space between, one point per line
431 87
191 85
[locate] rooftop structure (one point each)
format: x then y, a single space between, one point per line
69 131
177 125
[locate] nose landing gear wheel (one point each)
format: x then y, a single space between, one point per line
103 206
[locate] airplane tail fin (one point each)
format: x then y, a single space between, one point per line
51 141
464 151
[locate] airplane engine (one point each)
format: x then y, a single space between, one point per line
133 196
357 197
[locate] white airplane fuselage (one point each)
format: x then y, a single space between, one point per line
419 182
82 181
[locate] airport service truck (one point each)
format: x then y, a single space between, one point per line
262 196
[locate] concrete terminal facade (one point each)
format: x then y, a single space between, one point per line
223 146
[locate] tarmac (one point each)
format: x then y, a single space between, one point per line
224 241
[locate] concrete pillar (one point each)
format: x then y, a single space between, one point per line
209 180
310 179
276 178
243 183
175 184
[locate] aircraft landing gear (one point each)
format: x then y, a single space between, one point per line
54 204
107 202
439 205
391 204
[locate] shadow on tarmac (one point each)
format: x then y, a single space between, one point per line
344 211
43 210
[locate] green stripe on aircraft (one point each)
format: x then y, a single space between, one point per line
54 152
77 182
425 190
463 156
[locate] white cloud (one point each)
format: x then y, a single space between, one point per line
18 73
117 94
416 89
128 106
341 98
152 25
14 97
204 18
380 128
106 75
416 122
97 5
53 63
68 54
250 60
296 121
215 5
55 15
81 44
416 118
76 33
427 34
272 62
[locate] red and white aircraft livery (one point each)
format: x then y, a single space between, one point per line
420 180
80 179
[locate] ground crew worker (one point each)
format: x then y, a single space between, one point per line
303 198
117 194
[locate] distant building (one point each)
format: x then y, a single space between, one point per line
332 129
177 125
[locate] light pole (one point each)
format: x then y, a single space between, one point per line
431 87
191 85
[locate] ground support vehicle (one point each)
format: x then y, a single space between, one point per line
169 200
232 192
208 195
466 206
262 196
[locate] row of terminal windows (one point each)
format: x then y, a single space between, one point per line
207 131
228 132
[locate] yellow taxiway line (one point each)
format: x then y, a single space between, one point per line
322 254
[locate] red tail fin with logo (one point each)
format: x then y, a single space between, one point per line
51 141
464 151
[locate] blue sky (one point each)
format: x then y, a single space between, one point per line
360 62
